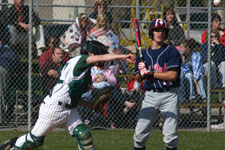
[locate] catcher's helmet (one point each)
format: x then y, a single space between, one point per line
94 47
157 24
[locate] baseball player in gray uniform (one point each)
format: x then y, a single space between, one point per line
59 107
160 69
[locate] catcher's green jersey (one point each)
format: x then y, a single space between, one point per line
74 80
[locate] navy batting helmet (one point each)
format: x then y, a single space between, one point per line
94 47
157 24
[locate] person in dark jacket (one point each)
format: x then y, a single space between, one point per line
217 58
176 33
17 18
9 62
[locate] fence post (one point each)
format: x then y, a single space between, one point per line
137 9
4 6
209 66
37 8
30 65
188 18
75 11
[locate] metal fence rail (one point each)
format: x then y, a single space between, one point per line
24 87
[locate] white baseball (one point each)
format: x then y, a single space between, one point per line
216 2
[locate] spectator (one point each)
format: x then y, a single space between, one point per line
102 32
47 55
9 61
101 22
104 79
192 69
76 34
134 89
4 32
17 19
176 33
49 69
216 20
101 6
217 57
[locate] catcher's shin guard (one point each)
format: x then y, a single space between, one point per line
31 142
84 137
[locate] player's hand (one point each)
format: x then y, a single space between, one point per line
145 73
130 58
53 73
142 68
215 41
148 75
23 25
183 58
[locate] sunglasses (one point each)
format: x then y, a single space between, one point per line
170 15
102 4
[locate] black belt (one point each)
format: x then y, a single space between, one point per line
159 90
69 106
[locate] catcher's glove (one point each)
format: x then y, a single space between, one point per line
101 99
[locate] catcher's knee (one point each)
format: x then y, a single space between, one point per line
84 137
31 142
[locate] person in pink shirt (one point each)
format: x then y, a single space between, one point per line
104 77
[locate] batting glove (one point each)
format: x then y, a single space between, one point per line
147 74
142 68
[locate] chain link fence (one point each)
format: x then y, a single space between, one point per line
23 83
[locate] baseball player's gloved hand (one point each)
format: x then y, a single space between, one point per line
142 68
101 99
147 74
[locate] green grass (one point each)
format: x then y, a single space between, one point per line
123 140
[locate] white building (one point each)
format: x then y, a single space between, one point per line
49 12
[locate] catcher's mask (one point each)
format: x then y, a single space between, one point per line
94 47
158 24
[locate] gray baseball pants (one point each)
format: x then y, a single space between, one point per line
154 103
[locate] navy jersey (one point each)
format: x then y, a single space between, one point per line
160 60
